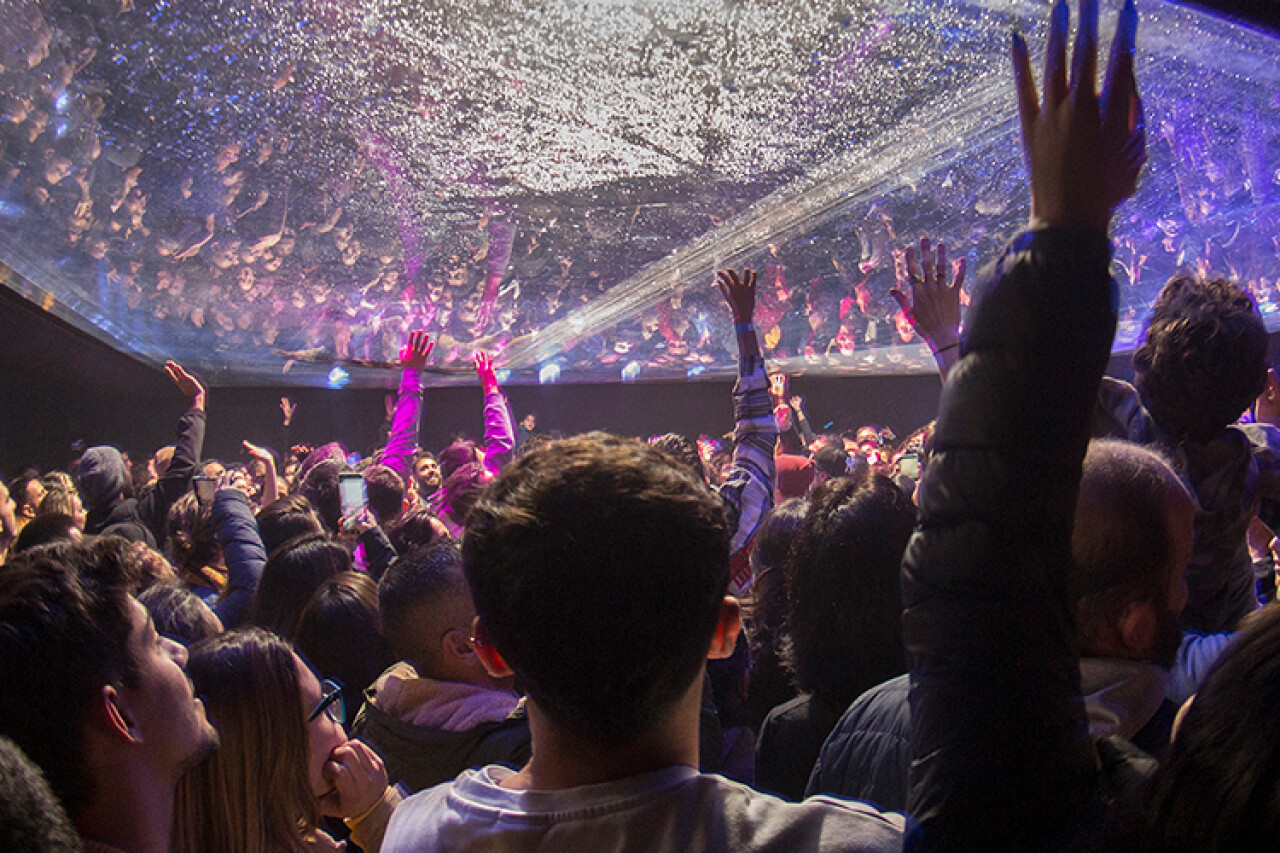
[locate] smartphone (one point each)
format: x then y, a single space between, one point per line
352 491
909 464
205 487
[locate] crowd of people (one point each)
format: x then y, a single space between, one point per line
1045 620
278 244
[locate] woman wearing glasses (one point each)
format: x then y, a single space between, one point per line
284 760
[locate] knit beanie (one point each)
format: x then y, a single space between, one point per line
101 476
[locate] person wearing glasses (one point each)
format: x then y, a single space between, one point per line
284 760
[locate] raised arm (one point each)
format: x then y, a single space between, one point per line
153 507
1001 756
270 479
242 548
499 428
403 439
748 487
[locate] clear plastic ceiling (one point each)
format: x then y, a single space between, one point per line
278 191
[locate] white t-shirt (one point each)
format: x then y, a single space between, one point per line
673 809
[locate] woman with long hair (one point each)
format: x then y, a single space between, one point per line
284 760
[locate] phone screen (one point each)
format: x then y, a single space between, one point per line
351 488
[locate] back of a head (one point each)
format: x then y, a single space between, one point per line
285 518
179 613
1219 790
320 487
415 528
291 576
462 488
64 634
1121 543
340 635
253 792
102 476
845 596
681 449
1203 360
193 545
45 529
416 598
769 553
385 489
31 818
456 455
598 568
830 457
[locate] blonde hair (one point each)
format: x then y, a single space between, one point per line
252 795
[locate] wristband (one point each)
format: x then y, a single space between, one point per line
941 350
743 328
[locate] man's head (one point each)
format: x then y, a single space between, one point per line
427 614
1132 541
426 470
102 476
1204 358
385 489
89 685
27 491
598 569
285 518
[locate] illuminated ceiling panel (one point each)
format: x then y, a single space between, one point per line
272 190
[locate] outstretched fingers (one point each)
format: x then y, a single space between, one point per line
1055 57
1084 61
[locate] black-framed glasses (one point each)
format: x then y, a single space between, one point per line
331 703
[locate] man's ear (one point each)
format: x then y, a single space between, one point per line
725 638
457 644
1136 629
111 713
488 654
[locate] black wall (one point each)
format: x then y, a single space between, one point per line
58 385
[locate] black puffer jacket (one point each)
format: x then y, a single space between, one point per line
1001 757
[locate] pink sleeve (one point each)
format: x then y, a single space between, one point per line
403 440
499 433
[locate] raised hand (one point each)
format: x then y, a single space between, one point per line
288 407
740 292
933 307
415 352
484 370
186 383
1085 153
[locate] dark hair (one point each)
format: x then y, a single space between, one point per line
412 530
179 613
31 818
385 489
64 633
193 545
455 455
462 488
1219 790
340 636
419 582
831 458
18 488
598 568
292 573
285 518
844 595
1203 360
679 449
320 486
43 529
1121 544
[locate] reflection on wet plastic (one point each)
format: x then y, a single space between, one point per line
278 192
